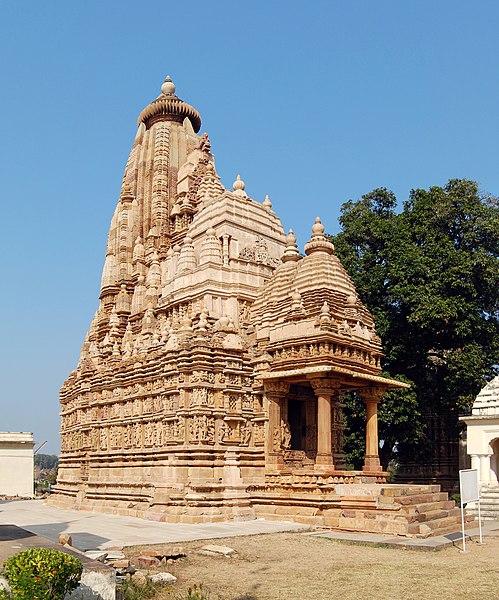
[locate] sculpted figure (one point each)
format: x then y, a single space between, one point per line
285 435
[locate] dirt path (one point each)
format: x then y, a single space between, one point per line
294 566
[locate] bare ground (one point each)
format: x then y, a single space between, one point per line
296 566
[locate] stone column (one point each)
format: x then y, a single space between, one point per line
275 391
371 398
475 462
485 469
337 429
324 390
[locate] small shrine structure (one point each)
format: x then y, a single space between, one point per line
210 382
17 464
483 434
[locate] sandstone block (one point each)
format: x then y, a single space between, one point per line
65 539
162 578
221 550
149 562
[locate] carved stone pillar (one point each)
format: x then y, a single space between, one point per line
325 390
337 429
275 391
371 398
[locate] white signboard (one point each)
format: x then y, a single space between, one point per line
468 482
470 492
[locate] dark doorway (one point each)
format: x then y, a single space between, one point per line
297 424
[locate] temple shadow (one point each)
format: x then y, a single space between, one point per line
80 539
11 532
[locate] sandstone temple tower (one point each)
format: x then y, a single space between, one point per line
209 384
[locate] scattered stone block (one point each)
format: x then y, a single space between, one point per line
163 578
96 555
149 562
119 564
424 530
165 552
139 578
65 539
115 555
212 549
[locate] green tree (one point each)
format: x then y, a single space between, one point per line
46 461
429 274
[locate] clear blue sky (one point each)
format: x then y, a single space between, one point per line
311 102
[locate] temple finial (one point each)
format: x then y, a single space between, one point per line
267 203
238 186
168 87
291 251
318 242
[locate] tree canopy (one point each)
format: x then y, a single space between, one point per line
429 274
46 461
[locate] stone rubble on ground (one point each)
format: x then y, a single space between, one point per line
139 578
96 555
162 578
213 550
115 555
149 562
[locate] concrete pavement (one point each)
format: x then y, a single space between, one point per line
91 530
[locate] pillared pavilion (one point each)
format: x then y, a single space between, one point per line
210 382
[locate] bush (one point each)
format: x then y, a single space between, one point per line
42 574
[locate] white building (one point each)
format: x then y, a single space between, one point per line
483 434
16 463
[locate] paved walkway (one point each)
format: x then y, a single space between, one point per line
91 530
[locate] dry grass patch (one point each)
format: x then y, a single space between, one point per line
294 566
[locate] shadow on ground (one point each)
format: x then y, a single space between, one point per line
81 539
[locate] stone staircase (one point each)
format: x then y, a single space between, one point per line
411 510
406 510
489 504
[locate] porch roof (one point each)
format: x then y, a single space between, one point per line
309 372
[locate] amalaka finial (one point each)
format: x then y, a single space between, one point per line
318 241
291 251
238 186
267 203
168 87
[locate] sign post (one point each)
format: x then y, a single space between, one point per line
470 492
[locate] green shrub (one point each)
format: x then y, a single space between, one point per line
42 574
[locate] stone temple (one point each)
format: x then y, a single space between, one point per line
210 382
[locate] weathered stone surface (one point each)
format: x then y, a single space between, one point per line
96 555
214 549
65 539
119 564
139 578
115 555
149 562
163 578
